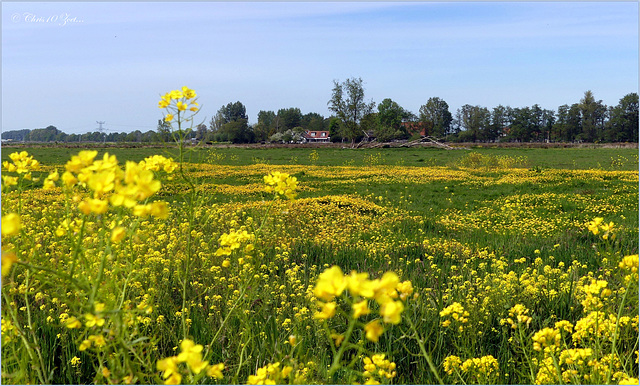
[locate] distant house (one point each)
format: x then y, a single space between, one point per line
315 136
415 127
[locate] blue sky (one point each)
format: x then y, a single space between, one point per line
72 64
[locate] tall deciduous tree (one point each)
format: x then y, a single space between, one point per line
623 121
474 121
436 117
289 118
593 114
389 120
347 102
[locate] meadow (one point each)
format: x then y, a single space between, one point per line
319 266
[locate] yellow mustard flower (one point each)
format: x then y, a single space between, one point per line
8 259
373 330
330 284
328 311
11 224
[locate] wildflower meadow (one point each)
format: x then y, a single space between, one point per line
195 265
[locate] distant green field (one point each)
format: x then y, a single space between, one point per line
560 158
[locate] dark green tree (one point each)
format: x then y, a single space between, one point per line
436 117
347 102
289 118
474 122
593 114
623 122
237 131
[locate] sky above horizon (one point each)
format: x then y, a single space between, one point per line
72 64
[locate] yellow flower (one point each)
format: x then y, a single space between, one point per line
93 205
215 371
73 322
75 361
188 93
192 354
160 209
451 363
80 161
165 101
9 180
328 311
390 311
360 285
281 184
169 368
92 320
181 106
68 179
117 234
11 224
7 262
168 118
547 337
360 308
373 330
629 263
330 284
84 345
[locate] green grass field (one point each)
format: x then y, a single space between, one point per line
520 263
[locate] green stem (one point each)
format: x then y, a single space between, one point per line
524 350
96 284
615 336
335 366
215 337
76 250
23 338
433 368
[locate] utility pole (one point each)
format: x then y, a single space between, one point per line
101 130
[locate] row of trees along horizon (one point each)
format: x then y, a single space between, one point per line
354 118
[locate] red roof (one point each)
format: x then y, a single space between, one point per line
315 134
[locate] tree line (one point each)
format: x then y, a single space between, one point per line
354 119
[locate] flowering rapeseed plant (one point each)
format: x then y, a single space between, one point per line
281 184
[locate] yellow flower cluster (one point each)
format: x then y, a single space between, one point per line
332 282
232 241
271 374
184 99
595 292
377 368
457 314
521 315
630 264
21 163
282 184
109 184
481 368
191 354
8 331
157 163
598 225
547 339
11 225
96 340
